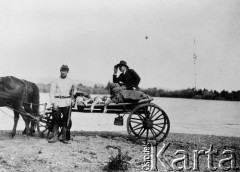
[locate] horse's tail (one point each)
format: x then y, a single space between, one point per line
35 100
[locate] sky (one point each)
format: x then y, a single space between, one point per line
91 36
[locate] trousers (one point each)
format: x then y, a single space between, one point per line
60 117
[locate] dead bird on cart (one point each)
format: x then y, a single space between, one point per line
106 100
22 97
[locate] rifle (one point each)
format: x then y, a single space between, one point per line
69 114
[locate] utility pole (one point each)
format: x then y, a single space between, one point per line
195 64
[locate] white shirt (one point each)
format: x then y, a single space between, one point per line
61 87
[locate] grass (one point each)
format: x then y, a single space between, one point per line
118 162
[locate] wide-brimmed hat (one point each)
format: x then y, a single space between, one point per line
122 63
64 68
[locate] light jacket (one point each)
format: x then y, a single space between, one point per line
61 88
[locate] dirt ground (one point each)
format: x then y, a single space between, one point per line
91 151
85 153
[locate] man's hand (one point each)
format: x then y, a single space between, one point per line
115 69
55 107
136 88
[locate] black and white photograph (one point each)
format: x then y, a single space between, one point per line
119 85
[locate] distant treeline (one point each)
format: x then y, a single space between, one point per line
189 93
44 88
97 89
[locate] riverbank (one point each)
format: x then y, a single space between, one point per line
90 151
189 93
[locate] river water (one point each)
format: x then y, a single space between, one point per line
220 118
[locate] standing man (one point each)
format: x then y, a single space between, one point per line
60 96
128 78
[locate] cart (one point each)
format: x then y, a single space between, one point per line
145 120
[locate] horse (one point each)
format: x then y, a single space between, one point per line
23 97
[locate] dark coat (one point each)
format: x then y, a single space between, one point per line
130 79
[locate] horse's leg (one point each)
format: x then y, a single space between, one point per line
28 109
27 122
16 117
23 113
32 129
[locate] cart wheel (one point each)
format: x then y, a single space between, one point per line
148 121
45 125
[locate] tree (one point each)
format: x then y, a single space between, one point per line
108 86
95 86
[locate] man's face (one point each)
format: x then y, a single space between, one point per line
64 73
122 68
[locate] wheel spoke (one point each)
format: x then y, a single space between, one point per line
139 131
158 126
158 123
153 133
44 130
137 119
157 129
137 125
136 122
140 115
138 128
45 124
154 114
158 117
142 132
150 109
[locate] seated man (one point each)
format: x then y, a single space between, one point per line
128 79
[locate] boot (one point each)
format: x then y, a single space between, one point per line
64 135
68 136
55 135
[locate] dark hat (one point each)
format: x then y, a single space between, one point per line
122 63
64 67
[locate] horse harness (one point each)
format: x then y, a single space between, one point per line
26 91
